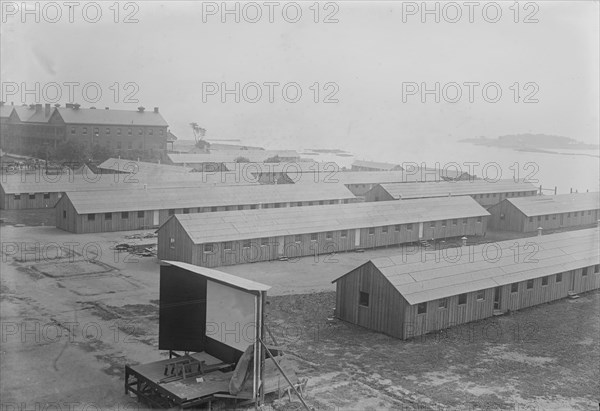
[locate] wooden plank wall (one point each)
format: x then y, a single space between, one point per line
385 307
183 249
133 222
553 221
29 200
438 318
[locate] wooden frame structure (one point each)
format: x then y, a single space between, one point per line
422 291
237 237
561 211
210 371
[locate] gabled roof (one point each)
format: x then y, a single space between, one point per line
202 196
272 222
460 187
111 117
221 277
38 183
451 272
378 177
5 110
229 156
378 165
135 167
562 203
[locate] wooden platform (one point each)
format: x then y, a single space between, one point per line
144 380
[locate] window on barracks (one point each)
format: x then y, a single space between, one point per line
107 216
298 238
568 215
479 219
107 131
529 284
32 196
344 234
171 212
186 211
531 219
421 308
140 131
124 215
64 214
46 196
384 229
246 244
264 242
432 224
559 278
584 272
371 230
363 299
213 209
545 218
228 246
397 228
329 235
409 227
129 132
443 223
480 295
501 216
545 280
443 303
554 216
514 288
455 222
345 201
539 218
140 214
72 130
118 131
171 242
313 237
464 221
208 248
17 196
91 217
589 212
597 269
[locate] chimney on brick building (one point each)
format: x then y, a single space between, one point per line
38 108
47 109
156 109
141 109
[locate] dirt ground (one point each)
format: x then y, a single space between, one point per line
74 312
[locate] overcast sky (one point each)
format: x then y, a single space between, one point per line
369 53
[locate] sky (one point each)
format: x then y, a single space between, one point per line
360 61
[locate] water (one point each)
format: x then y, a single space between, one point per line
566 172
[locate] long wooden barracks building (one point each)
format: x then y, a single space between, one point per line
217 239
101 211
526 214
360 182
486 193
413 294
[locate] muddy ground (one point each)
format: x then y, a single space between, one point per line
74 312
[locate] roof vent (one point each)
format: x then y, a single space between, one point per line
106 108
76 106
156 109
141 109
92 108
57 105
